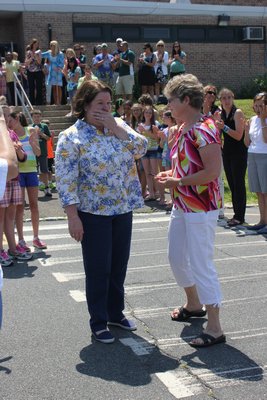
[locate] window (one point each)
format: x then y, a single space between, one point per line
134 33
87 33
191 34
156 33
130 32
221 35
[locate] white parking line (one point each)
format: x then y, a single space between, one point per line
140 348
175 385
66 277
78 295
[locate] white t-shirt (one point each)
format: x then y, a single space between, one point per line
3 175
257 144
163 64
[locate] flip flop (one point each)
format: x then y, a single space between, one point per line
208 340
184 314
234 222
148 198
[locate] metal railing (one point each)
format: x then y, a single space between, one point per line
21 94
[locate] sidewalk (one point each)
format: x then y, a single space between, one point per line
50 208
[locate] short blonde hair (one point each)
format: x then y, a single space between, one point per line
184 85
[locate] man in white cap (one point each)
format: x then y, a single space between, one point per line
104 64
115 53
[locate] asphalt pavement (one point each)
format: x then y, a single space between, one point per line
47 352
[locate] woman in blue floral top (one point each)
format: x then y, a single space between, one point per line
99 188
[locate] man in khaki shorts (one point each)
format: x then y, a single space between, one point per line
125 81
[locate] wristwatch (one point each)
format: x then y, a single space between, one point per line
180 183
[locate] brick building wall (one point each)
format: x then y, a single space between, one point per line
231 64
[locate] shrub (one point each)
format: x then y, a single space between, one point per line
254 86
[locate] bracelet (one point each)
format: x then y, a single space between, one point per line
226 129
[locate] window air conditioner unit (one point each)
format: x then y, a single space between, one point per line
253 33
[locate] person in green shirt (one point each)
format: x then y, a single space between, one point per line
44 135
177 60
125 81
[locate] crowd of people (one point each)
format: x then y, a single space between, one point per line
135 154
54 75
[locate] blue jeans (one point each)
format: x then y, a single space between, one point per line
106 249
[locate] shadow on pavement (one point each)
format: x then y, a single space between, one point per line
119 363
5 369
223 360
21 269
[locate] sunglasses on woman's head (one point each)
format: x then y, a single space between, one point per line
211 92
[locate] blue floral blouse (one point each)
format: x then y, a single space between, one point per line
97 171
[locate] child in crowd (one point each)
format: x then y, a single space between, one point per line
50 156
137 115
72 73
118 112
12 197
44 136
28 177
163 135
150 159
127 112
88 76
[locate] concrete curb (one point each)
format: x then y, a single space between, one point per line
141 212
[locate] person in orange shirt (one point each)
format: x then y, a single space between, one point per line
50 156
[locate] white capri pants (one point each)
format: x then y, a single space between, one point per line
191 246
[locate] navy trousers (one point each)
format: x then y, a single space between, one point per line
106 249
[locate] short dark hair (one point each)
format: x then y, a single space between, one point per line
145 99
36 111
86 94
148 46
119 102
